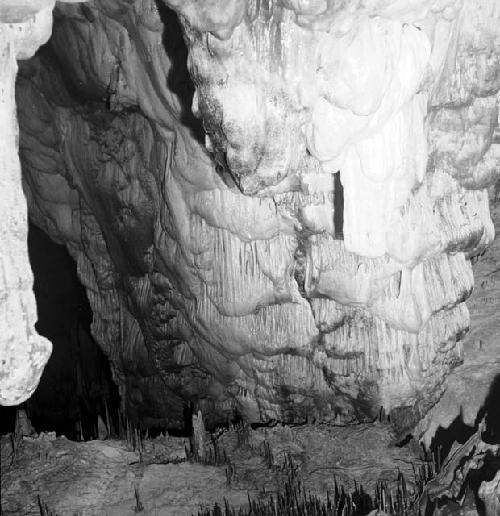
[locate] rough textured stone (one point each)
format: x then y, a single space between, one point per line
310 260
471 390
100 477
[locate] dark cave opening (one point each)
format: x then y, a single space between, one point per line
338 204
76 386
491 413
488 424
458 431
444 438
179 81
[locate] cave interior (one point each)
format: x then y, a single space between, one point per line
259 257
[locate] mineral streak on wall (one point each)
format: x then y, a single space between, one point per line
310 257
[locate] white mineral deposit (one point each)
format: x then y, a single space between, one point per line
258 238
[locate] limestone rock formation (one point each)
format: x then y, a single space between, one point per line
490 494
23 28
301 250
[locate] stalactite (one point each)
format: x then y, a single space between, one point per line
314 254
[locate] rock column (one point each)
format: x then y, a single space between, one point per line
24 26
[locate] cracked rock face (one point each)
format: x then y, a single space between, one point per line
302 251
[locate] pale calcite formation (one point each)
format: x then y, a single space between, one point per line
489 492
25 25
309 258
23 353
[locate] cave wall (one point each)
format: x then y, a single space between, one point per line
240 272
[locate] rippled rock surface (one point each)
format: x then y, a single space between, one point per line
300 251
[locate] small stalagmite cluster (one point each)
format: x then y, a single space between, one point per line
277 221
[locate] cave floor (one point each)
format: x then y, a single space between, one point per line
108 478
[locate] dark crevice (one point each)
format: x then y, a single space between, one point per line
408 438
490 411
460 432
268 424
338 205
445 437
76 386
179 80
485 474
300 261
223 170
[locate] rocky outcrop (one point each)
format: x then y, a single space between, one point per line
471 391
309 258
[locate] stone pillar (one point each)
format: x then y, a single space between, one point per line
24 26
